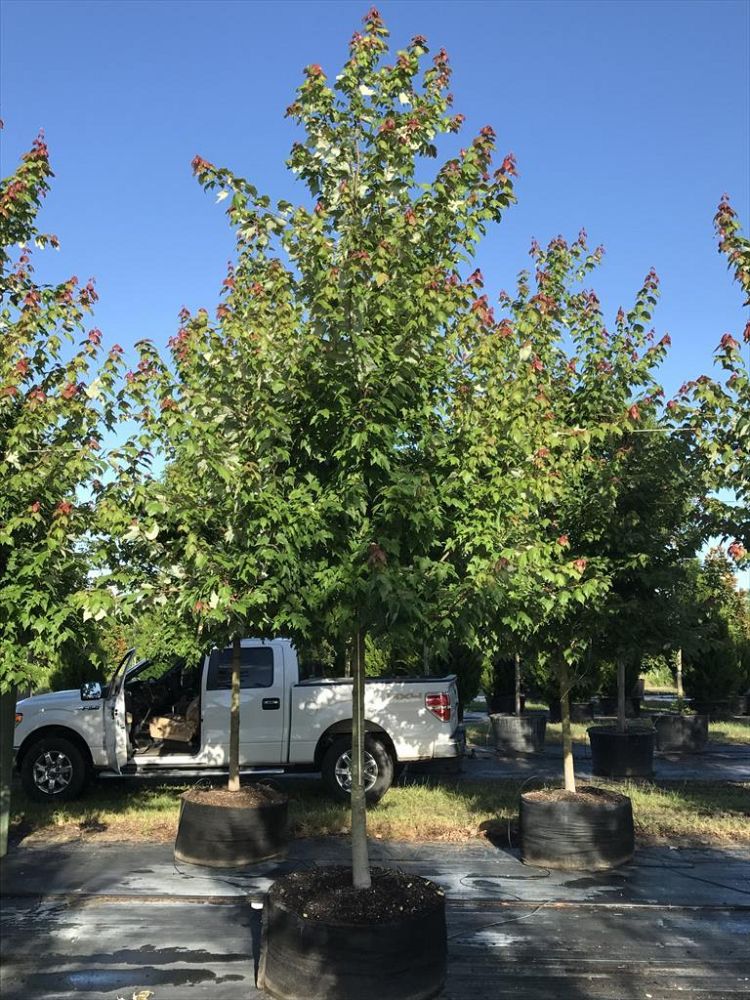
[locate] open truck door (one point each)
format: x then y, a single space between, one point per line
115 722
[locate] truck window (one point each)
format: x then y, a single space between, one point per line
256 668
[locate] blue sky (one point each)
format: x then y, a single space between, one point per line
630 119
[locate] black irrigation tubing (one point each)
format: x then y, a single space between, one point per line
498 923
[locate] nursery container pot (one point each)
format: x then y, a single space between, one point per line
306 955
685 733
588 830
519 733
223 829
621 755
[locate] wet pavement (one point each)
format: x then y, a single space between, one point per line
105 920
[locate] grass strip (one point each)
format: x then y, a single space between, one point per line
681 813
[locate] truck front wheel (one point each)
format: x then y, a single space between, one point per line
53 770
336 769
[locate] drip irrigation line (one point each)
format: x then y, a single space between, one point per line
498 923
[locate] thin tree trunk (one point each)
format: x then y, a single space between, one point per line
7 724
360 858
425 659
234 718
567 741
678 665
518 684
621 695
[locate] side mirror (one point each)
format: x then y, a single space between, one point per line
91 691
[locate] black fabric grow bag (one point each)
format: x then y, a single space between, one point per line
505 703
621 755
580 711
228 837
519 733
312 959
593 832
681 733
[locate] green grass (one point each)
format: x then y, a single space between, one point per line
456 810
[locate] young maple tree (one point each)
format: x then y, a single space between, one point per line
56 402
552 426
305 433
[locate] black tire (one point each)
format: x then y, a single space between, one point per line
64 765
376 756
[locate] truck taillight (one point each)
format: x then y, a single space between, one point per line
19 718
439 705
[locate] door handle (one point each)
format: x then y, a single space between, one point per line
268 704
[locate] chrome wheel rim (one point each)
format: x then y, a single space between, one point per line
53 772
343 771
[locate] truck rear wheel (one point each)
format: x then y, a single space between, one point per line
53 770
336 769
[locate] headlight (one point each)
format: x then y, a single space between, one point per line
19 717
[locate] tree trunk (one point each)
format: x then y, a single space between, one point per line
678 666
425 659
7 726
360 858
621 695
234 718
518 684
567 742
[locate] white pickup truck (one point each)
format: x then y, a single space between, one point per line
179 722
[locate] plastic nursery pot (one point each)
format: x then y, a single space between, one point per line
589 830
681 733
306 955
621 755
223 829
513 734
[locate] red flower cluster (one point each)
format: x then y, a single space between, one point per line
199 165
63 508
95 336
728 343
563 540
634 413
737 550
508 166
580 565
505 328
35 507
